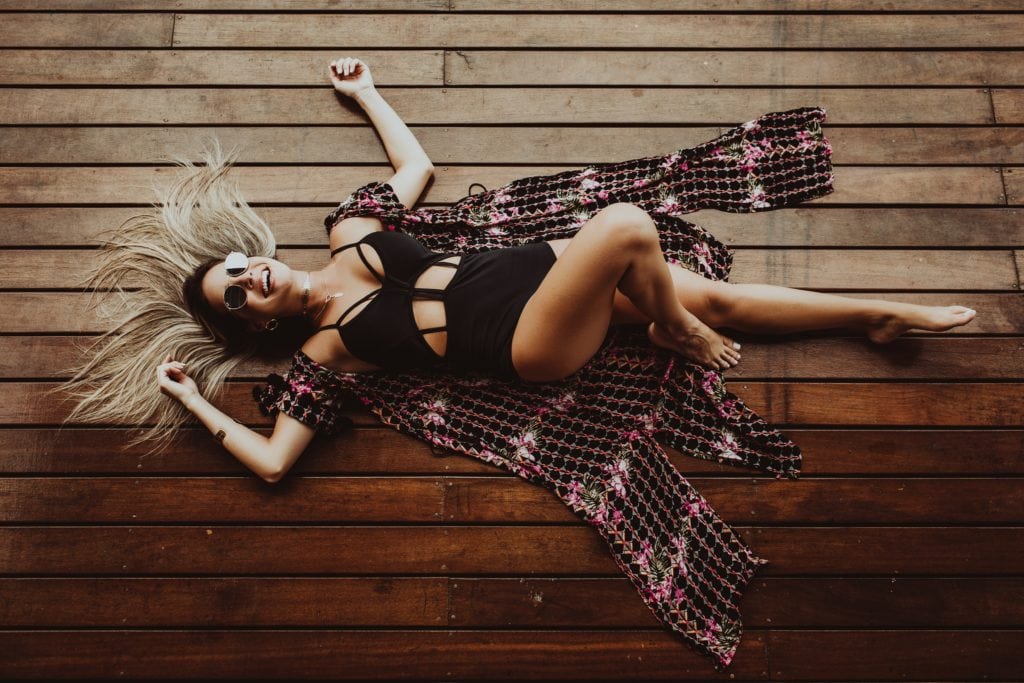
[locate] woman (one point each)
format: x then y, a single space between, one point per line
567 337
611 272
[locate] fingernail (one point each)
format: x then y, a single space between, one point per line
736 345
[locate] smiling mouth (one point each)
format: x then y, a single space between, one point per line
266 282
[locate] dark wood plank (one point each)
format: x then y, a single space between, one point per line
309 550
524 602
916 357
953 185
779 403
70 312
212 67
383 451
831 269
776 602
935 654
224 602
607 31
488 500
487 106
807 226
86 30
797 68
275 144
502 551
371 655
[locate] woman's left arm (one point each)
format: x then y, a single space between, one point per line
352 77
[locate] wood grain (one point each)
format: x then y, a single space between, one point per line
806 226
780 403
300 105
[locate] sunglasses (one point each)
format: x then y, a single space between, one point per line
234 295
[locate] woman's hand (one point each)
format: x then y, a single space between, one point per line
173 380
350 76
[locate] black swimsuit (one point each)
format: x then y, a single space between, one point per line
483 303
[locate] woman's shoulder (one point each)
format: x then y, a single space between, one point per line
375 200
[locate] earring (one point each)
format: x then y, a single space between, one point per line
271 325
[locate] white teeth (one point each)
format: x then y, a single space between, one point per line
266 282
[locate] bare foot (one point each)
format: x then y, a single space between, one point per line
912 316
701 344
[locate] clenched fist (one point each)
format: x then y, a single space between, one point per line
350 76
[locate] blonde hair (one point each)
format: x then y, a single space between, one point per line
200 217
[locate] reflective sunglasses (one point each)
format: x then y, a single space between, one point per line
234 295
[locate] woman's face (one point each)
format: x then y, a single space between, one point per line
266 283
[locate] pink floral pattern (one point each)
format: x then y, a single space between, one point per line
594 439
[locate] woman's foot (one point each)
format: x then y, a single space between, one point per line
905 317
700 344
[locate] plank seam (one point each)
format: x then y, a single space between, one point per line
174 25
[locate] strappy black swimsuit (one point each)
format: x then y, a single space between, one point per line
483 303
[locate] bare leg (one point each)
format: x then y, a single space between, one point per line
770 309
567 318
776 310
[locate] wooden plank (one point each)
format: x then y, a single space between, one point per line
312 550
608 31
808 226
86 30
70 313
555 146
620 6
910 357
373 654
933 654
1008 106
505 550
779 403
224 602
1014 180
308 184
212 67
802 602
741 501
917 185
382 451
248 5
487 106
624 6
799 68
487 500
528 67
523 602
833 269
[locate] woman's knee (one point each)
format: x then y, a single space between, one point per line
628 224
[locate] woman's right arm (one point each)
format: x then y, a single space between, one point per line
269 457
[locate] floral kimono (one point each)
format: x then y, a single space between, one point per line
593 438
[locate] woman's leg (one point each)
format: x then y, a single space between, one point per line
567 318
770 309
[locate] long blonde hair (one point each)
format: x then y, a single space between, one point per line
199 217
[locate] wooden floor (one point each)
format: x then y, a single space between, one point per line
898 556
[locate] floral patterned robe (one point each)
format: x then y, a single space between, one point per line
592 438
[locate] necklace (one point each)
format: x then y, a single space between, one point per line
306 288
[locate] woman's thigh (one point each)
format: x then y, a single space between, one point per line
565 321
699 295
